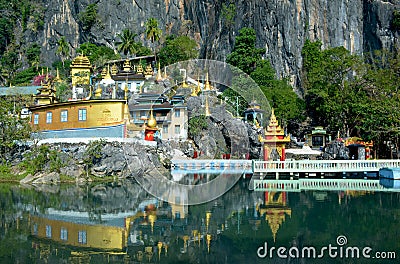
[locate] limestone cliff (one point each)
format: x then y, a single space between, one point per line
282 26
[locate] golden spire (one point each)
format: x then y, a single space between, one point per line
108 76
165 73
184 84
208 113
207 85
57 79
159 77
152 122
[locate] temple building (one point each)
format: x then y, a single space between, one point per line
274 141
86 117
81 70
171 115
318 138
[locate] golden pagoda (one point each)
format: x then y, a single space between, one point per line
127 66
151 127
46 94
57 79
207 86
148 72
114 69
104 72
80 70
139 68
208 113
275 139
159 77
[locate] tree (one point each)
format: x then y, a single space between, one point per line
88 18
12 128
97 54
33 55
152 31
177 49
63 49
128 44
333 81
287 104
244 54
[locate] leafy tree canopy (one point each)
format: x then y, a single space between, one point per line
97 55
245 55
176 49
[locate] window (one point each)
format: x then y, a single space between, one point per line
177 129
64 233
36 119
64 115
48 231
165 129
82 114
82 237
177 112
317 141
49 117
35 229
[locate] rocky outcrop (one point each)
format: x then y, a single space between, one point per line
282 27
122 160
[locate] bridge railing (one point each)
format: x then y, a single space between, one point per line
323 165
320 184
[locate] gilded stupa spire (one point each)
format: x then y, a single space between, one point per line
208 113
159 77
207 86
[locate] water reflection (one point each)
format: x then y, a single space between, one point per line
120 223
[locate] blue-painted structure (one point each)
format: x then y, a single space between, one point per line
117 131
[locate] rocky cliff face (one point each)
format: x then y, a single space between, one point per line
282 26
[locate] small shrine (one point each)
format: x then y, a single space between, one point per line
358 149
46 94
254 114
150 128
274 141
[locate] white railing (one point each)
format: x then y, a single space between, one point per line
323 165
195 164
320 184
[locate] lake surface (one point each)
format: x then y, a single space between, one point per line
121 223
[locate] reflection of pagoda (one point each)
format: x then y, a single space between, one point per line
275 140
275 210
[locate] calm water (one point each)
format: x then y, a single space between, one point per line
121 223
